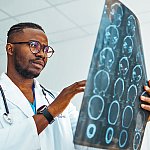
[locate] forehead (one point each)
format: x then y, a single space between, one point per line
32 34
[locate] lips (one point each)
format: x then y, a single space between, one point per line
38 64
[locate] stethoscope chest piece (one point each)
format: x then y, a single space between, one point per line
8 118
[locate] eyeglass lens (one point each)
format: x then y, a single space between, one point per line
35 47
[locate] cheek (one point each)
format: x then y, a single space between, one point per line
21 58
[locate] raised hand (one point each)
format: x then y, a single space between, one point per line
64 98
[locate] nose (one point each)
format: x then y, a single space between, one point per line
41 53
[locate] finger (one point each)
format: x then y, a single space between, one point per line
78 90
149 118
145 99
146 107
147 89
78 84
149 82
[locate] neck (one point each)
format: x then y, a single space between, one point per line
20 81
25 85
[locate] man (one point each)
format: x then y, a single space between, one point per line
25 121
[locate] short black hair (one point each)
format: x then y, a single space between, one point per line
19 28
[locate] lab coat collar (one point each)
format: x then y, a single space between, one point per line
15 96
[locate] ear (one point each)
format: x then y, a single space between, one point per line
9 48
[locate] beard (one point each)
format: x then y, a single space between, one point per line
25 72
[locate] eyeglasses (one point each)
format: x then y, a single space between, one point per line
36 46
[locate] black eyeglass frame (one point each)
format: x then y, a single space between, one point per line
41 47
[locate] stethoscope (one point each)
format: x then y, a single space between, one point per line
7 116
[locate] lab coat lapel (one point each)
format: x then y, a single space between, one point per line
40 98
19 100
15 96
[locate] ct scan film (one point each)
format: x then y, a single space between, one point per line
110 115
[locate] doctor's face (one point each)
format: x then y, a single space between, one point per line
26 63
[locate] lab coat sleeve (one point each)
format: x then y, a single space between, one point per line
20 136
146 138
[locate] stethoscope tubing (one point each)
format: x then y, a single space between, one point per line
4 100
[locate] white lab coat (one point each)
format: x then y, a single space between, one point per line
146 138
22 134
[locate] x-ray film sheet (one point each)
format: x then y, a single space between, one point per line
110 115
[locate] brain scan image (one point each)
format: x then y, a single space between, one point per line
101 87
118 88
123 137
123 66
127 116
91 130
109 135
116 14
115 108
95 107
107 58
131 25
111 36
137 73
127 47
132 94
136 141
